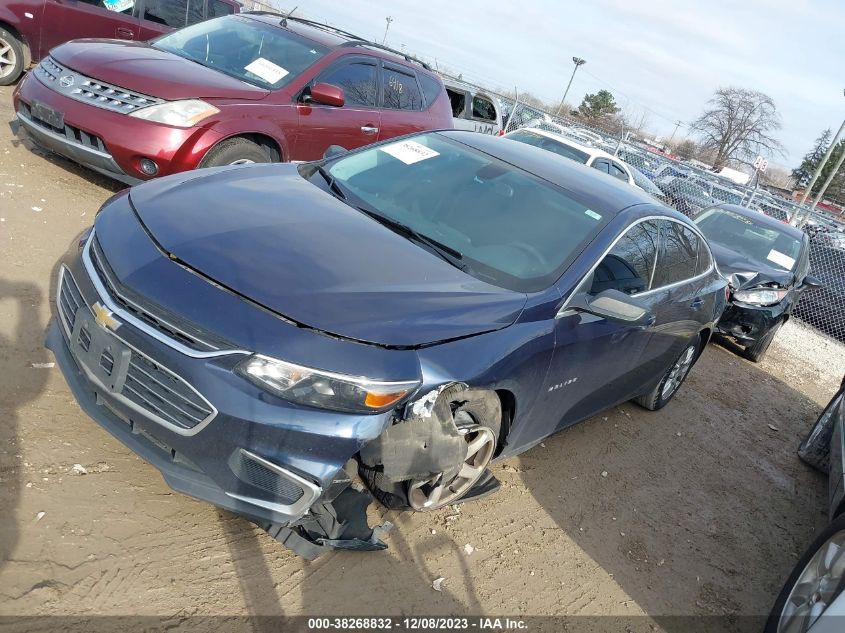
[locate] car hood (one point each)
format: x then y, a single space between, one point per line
139 67
269 235
743 272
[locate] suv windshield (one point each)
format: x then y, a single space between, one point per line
544 142
252 51
763 245
492 219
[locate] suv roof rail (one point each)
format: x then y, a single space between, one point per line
354 40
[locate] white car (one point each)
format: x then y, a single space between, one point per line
590 156
472 109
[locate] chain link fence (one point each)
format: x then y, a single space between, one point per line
690 186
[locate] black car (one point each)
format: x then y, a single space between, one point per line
767 265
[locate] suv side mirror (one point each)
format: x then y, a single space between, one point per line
811 283
325 94
334 150
614 305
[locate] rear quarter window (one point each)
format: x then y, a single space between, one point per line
431 88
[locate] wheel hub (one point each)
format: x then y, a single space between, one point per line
8 60
434 492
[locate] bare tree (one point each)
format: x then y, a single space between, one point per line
737 125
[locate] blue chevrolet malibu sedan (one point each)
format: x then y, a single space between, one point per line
288 341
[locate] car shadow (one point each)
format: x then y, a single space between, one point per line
24 373
668 503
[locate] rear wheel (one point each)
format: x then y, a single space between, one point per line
757 350
235 151
11 58
674 377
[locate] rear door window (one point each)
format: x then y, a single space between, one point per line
602 165
173 13
678 258
400 90
629 265
483 109
617 172
358 80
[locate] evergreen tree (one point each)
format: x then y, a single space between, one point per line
804 172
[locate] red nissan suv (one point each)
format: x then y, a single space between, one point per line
246 88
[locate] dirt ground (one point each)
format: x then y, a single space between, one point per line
703 510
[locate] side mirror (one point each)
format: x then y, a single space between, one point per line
811 283
325 94
614 306
334 150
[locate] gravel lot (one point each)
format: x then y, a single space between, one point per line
703 510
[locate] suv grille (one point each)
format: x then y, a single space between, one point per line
152 388
169 324
83 88
71 133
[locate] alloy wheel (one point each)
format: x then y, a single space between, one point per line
678 373
433 493
816 587
8 59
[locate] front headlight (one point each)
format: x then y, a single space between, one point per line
185 113
323 389
761 296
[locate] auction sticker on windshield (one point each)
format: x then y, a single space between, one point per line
410 152
780 259
266 70
119 6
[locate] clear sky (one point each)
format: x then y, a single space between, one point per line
664 56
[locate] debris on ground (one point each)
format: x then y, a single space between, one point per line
437 583
79 469
39 516
469 549
43 365
773 427
604 473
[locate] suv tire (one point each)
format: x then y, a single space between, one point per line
235 151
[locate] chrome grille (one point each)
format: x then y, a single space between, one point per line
88 90
148 386
154 316
164 394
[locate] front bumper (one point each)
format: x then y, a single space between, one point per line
747 323
252 454
108 142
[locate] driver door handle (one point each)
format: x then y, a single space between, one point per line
696 303
369 130
125 34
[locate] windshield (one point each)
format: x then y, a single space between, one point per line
495 221
544 142
763 245
260 54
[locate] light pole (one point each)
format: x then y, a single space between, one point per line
578 62
388 19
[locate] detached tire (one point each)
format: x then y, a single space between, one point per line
11 58
757 351
235 151
672 380
471 408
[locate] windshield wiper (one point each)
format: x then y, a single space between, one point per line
335 188
407 231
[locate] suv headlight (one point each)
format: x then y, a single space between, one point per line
761 296
185 113
323 389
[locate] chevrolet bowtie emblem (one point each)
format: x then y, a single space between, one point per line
104 317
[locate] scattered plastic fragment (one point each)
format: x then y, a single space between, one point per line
40 516
79 469
43 365
469 549
437 583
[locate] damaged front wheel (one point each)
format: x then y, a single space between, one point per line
438 491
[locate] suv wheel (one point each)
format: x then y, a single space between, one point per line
11 58
235 151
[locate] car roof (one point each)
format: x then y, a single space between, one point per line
763 220
604 193
594 152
